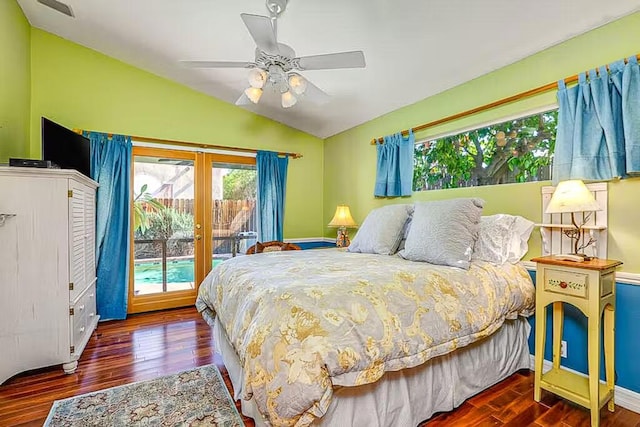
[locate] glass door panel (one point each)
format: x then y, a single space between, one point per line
233 208
164 225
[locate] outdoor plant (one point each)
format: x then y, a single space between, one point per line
167 225
143 204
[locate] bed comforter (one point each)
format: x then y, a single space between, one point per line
303 322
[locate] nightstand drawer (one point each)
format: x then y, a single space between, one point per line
565 282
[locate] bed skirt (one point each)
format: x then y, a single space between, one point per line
410 396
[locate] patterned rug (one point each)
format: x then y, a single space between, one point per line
197 397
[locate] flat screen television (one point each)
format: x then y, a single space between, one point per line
65 148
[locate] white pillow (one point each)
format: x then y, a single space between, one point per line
518 244
382 230
502 238
443 232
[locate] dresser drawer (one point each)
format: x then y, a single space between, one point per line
83 318
566 282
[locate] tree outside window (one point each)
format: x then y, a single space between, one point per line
518 150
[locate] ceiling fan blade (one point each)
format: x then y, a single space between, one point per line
316 95
217 64
262 31
243 100
329 61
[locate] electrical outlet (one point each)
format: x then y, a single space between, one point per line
563 349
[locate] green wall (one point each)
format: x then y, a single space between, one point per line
15 76
81 88
354 186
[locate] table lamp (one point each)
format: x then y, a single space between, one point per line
570 197
343 220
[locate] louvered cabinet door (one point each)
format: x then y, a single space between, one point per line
90 236
77 239
82 269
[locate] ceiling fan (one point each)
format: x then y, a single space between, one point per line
276 66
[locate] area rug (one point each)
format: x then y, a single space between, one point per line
197 397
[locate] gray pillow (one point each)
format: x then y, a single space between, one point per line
405 232
381 230
444 232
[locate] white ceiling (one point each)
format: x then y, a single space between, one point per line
413 48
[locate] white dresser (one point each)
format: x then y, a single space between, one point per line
47 268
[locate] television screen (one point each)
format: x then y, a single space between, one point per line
65 148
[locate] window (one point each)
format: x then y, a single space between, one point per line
516 150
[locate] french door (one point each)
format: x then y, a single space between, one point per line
190 211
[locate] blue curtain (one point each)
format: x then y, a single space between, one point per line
394 170
598 136
110 167
272 184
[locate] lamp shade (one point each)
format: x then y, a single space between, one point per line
342 217
257 78
297 83
288 100
253 93
572 196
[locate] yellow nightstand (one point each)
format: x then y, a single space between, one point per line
590 286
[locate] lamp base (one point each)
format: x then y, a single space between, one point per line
342 240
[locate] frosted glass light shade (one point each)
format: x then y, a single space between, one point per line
288 100
572 196
257 78
253 93
342 217
297 83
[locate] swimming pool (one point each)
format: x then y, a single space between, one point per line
178 271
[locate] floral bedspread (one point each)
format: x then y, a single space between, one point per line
302 322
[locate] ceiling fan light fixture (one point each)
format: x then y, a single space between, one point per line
297 83
257 78
253 93
288 100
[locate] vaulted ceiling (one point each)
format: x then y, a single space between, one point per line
413 48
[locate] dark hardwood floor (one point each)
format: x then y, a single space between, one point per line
149 345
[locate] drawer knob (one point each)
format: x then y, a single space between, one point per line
563 284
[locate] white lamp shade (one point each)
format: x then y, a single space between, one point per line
253 93
572 196
257 78
288 100
342 218
297 83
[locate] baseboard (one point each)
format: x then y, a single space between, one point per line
626 398
311 239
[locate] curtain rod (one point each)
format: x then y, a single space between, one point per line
197 145
498 103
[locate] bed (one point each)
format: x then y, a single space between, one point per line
329 337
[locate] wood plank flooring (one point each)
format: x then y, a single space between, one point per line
149 345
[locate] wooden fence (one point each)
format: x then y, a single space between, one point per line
229 216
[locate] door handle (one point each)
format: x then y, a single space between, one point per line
198 237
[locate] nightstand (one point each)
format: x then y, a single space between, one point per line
590 286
